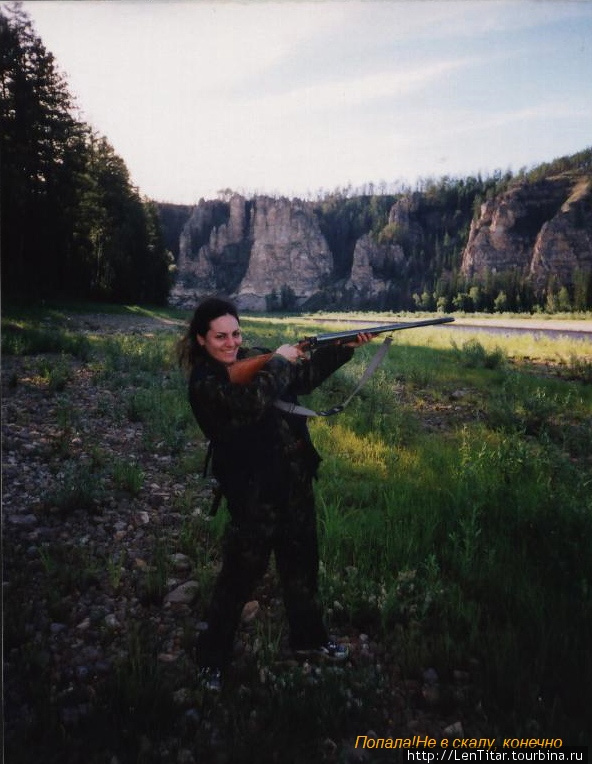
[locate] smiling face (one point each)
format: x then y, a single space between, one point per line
222 339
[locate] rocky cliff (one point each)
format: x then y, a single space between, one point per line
563 247
265 253
273 254
374 271
536 229
270 254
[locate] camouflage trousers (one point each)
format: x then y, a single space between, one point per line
271 513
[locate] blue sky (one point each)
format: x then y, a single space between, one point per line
296 97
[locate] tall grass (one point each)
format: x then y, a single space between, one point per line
472 538
491 520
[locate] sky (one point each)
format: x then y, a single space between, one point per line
295 98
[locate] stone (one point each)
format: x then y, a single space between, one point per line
184 594
180 562
250 611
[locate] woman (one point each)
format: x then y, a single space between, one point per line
265 463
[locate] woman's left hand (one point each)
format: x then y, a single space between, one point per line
361 339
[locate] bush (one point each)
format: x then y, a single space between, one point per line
473 355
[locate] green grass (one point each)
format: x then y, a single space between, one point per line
455 519
489 515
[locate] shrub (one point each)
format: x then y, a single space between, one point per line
473 355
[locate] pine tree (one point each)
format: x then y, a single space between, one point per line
41 156
73 225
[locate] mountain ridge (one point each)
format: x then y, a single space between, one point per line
453 244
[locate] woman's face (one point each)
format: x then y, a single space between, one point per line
223 339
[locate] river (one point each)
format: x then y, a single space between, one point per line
576 329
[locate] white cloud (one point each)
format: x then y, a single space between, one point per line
356 91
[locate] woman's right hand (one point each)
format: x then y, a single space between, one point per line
292 353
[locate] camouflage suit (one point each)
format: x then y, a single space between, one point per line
265 462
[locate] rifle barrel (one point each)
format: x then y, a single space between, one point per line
323 339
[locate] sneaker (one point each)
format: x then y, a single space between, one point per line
210 678
329 651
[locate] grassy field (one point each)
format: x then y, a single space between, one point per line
455 517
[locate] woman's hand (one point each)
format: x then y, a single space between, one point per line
292 353
361 339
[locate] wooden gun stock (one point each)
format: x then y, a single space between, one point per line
242 372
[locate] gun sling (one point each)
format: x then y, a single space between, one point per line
294 408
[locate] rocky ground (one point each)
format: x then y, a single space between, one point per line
80 574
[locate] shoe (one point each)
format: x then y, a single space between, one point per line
329 651
210 679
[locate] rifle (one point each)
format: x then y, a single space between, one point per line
242 372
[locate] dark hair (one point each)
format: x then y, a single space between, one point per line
208 310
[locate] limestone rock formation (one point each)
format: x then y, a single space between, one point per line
265 253
274 254
213 251
373 269
537 228
564 244
290 259
404 215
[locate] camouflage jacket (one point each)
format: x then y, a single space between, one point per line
251 438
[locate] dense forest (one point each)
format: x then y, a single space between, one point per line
73 225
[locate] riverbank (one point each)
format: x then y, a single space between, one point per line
531 324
